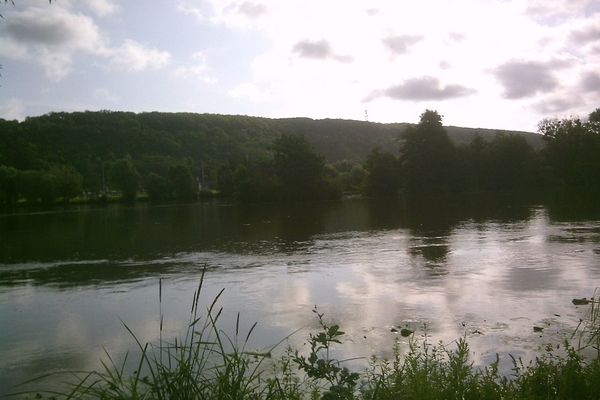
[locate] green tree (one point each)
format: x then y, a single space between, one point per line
382 174
67 180
300 171
37 186
183 183
256 182
157 187
8 185
124 177
427 156
573 151
594 116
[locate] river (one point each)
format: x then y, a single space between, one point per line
488 269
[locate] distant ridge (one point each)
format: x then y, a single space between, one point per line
80 137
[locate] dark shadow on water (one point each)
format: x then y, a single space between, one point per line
118 243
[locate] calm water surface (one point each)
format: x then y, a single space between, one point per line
488 269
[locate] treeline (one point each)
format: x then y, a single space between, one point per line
428 162
159 156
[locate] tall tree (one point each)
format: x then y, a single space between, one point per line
301 172
427 156
573 151
382 174
124 177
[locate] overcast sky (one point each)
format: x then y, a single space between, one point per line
481 63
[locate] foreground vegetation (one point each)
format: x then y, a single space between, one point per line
99 156
208 363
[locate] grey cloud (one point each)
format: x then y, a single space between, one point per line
424 88
527 78
320 50
591 82
400 44
46 31
587 35
251 10
457 37
554 106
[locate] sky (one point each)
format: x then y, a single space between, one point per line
502 64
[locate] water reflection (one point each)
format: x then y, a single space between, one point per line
488 268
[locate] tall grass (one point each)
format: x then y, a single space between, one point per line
208 363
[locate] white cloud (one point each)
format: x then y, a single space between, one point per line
251 92
188 9
102 8
461 45
13 109
49 36
105 95
52 36
134 56
198 70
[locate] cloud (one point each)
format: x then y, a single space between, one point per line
251 92
554 105
192 11
52 36
586 35
319 50
422 89
590 82
230 13
12 109
198 69
551 11
102 8
251 10
527 78
134 56
105 95
54 27
456 37
400 44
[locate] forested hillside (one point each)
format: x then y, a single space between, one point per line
169 155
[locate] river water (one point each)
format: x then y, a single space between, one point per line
488 269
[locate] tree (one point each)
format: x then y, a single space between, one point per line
573 151
594 116
124 177
382 174
182 182
8 185
157 187
427 156
255 181
300 171
67 181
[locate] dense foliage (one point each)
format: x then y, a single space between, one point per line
94 156
429 162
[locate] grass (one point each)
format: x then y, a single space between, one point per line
208 363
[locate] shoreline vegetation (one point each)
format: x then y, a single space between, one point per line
107 157
210 363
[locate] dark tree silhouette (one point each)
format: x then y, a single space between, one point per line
427 156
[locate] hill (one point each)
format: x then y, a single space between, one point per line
207 143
